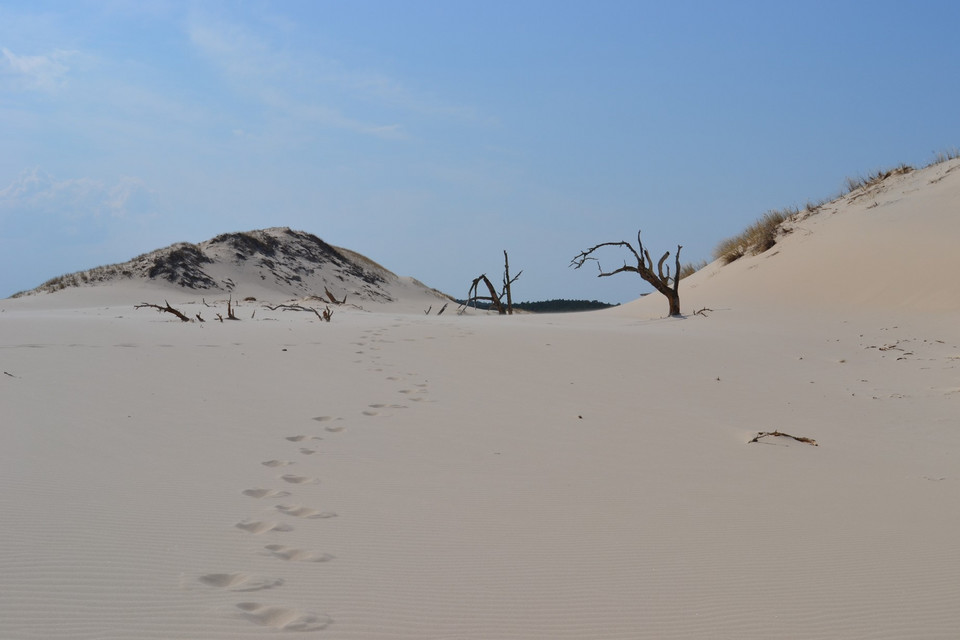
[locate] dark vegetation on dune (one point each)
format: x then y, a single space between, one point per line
282 256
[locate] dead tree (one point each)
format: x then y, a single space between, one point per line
473 295
507 282
661 281
167 309
495 299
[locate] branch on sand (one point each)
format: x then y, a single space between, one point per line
167 309
764 434
325 316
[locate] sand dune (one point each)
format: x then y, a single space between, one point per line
396 475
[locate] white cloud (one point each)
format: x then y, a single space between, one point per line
35 197
44 72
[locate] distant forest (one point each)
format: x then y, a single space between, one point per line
552 306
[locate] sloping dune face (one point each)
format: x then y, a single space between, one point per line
890 245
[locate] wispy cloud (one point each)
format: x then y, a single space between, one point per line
41 72
37 198
277 79
315 89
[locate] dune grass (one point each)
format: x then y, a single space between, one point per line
762 234
757 238
862 182
946 155
690 268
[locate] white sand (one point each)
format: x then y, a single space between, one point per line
393 475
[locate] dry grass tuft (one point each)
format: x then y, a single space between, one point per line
861 182
691 268
946 155
755 239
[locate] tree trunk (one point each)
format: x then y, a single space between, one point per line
674 303
506 280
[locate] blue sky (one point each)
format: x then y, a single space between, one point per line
431 136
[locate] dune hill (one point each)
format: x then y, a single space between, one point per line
275 262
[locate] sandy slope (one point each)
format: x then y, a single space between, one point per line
393 475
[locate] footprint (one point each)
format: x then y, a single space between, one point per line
370 413
335 429
292 479
304 512
283 618
257 527
265 493
277 463
307 452
301 438
296 555
323 418
240 582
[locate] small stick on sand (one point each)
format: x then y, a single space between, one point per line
763 434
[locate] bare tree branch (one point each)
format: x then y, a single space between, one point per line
167 309
662 282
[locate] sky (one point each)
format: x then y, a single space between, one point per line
431 136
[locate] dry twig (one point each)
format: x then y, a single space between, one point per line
763 434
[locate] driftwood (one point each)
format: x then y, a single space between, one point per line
507 281
440 312
764 434
333 299
496 300
473 295
200 318
703 312
167 309
325 316
230 314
